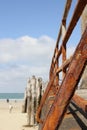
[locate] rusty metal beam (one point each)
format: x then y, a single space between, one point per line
64 65
66 11
63 47
76 15
80 102
56 80
64 59
45 95
68 86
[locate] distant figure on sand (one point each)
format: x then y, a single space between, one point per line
10 108
7 100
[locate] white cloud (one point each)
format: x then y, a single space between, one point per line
70 51
24 57
25 49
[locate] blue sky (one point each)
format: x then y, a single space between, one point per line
30 17
28 33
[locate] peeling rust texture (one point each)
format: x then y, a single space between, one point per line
63 94
68 86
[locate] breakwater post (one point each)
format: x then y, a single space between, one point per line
33 93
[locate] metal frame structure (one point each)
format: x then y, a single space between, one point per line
71 68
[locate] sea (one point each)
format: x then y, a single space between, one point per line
12 96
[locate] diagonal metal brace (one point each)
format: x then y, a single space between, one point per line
68 86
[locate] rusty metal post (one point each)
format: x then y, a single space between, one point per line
63 46
44 97
51 124
56 80
68 86
64 58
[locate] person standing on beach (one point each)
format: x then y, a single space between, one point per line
10 108
7 100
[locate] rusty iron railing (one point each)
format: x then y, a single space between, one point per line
71 68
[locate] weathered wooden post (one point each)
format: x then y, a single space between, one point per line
39 91
32 97
29 102
84 19
83 26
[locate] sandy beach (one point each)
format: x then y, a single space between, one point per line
14 120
